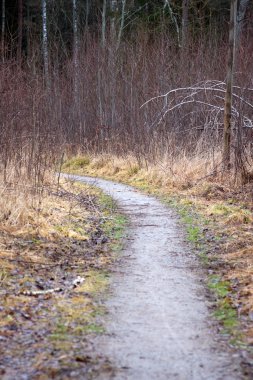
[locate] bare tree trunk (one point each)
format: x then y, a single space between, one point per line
113 9
229 86
243 5
45 42
112 61
28 33
185 23
100 73
121 22
20 30
104 22
75 50
3 30
87 11
173 18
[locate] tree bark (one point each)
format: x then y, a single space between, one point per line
45 42
114 10
243 5
104 22
185 23
121 22
20 30
229 86
75 49
3 30
87 11
174 19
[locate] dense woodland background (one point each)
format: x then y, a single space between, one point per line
88 76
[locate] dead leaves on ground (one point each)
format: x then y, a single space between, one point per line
50 271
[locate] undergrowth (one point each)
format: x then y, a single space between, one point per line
76 233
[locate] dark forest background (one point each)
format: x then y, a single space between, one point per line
78 76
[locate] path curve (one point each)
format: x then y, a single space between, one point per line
158 325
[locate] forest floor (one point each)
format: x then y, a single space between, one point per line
54 269
219 223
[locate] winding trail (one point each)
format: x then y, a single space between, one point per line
158 326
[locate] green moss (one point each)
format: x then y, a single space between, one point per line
61 332
233 213
88 329
36 240
133 170
77 315
107 203
221 288
76 163
95 282
204 257
115 224
188 217
224 312
219 209
193 234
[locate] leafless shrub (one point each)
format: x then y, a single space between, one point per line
113 112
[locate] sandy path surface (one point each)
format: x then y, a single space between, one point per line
159 326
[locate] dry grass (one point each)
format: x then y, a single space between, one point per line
21 201
17 206
171 174
45 216
48 239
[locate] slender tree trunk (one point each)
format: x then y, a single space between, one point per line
87 11
243 5
28 36
101 66
45 42
104 22
229 86
185 23
20 30
173 18
113 61
3 30
121 22
75 50
113 9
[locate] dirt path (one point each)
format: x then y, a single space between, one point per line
158 325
